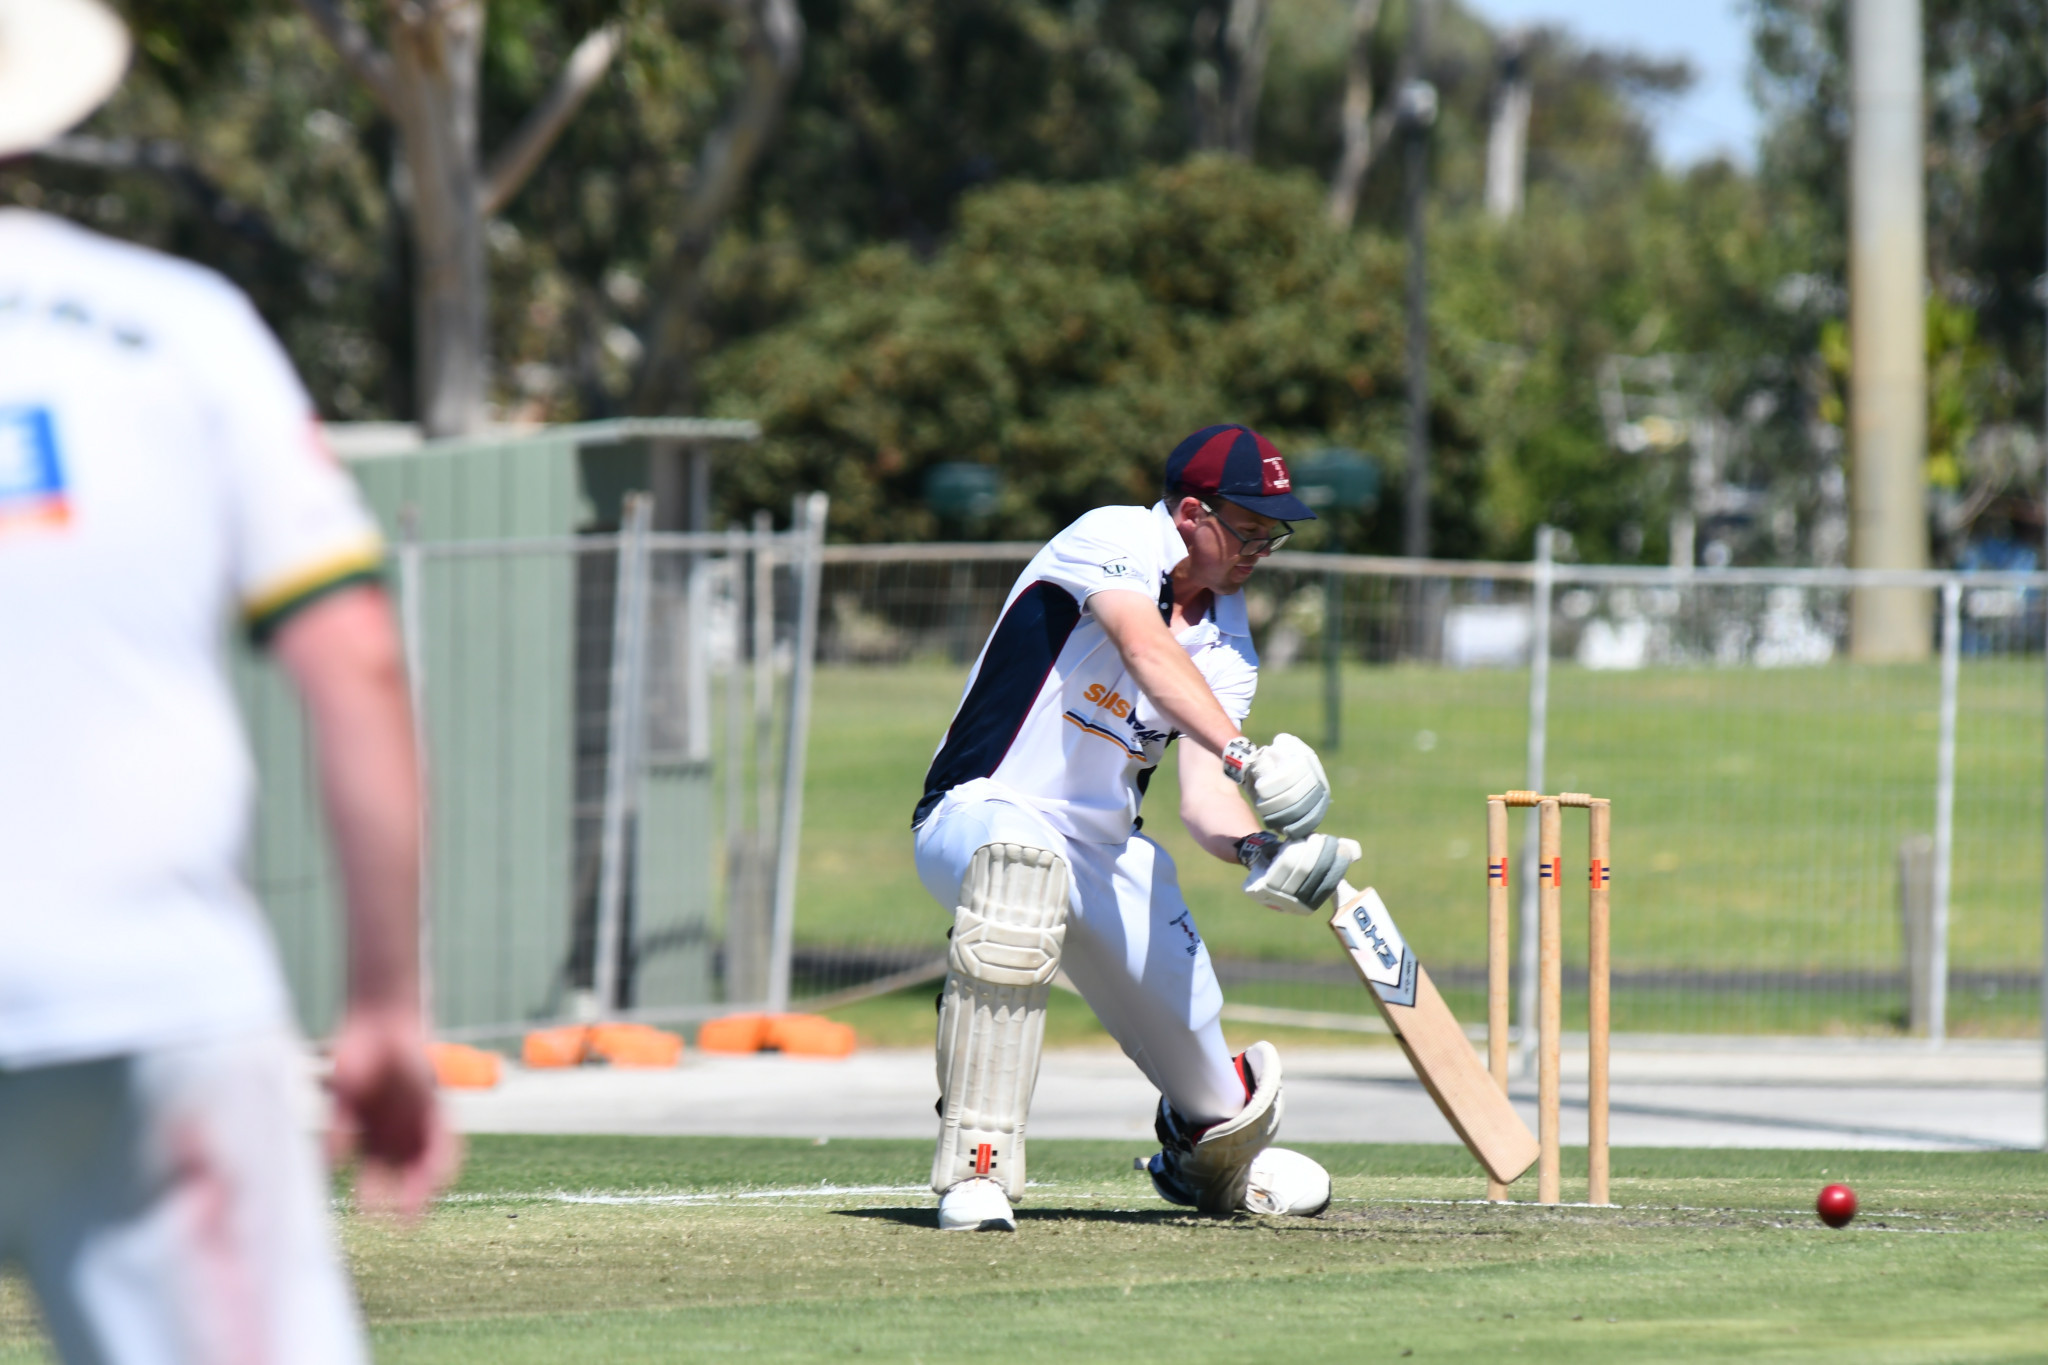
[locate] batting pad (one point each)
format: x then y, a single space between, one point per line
1216 1166
1007 935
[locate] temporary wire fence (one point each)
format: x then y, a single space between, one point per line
615 732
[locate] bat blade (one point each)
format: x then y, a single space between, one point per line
1428 1032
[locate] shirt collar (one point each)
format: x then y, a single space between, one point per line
1228 613
1230 616
1172 549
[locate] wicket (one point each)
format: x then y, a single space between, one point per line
1550 976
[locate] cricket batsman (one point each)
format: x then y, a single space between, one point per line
1126 632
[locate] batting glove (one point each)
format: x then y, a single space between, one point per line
1295 875
1284 780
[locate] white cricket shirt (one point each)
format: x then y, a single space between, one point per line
160 474
1049 714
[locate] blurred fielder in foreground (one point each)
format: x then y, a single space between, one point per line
161 473
1126 632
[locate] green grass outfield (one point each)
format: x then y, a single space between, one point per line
1757 818
1713 1255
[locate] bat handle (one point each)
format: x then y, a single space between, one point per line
1346 892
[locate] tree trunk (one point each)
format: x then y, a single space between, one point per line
429 85
1360 145
1507 137
436 53
1229 74
1244 74
774 47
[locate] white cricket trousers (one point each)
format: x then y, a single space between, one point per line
1132 948
170 1208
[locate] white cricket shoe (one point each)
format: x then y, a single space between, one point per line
1283 1181
1278 1181
981 1206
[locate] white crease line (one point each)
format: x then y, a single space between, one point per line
699 1197
563 1197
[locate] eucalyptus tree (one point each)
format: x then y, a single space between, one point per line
425 74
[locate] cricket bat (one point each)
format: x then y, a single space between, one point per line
1436 1046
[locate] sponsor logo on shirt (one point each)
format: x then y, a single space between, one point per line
32 488
1113 702
1117 568
1089 727
1124 709
1149 736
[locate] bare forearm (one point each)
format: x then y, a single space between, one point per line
1162 669
1172 683
370 787
1211 807
344 656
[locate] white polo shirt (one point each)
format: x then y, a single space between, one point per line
160 474
1049 714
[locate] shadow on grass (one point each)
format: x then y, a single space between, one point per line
927 1217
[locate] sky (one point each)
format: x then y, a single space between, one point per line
1717 115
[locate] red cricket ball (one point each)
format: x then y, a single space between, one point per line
1836 1206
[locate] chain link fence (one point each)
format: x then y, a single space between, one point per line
1803 843
644 800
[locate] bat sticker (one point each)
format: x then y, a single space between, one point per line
1378 948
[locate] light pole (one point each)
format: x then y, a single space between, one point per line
1417 114
1887 329
2044 636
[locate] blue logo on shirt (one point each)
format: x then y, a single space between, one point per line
32 490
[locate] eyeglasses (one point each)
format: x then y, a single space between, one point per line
1253 545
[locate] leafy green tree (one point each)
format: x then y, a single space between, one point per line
231 142
976 236
325 158
1987 157
1071 335
1986 71
1689 267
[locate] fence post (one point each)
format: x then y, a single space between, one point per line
697 656
1916 930
1944 811
1539 721
810 519
750 932
1333 657
622 744
416 701
734 760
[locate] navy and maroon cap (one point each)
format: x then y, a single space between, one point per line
1238 465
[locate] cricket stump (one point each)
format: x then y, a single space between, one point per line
1497 967
1598 1001
1550 979
1549 995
